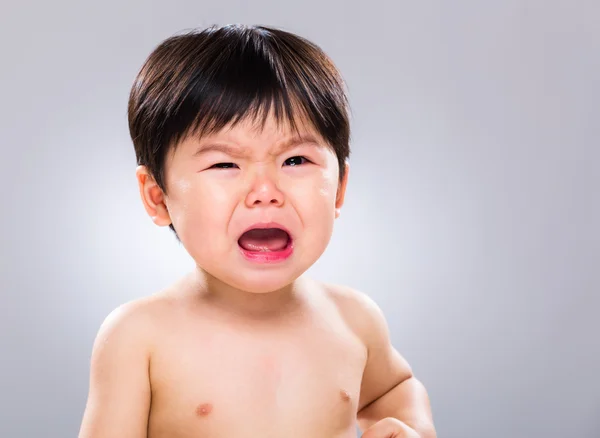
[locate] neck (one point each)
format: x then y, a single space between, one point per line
241 303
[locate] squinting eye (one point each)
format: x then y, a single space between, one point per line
223 166
296 161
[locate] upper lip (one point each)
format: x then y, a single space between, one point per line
263 225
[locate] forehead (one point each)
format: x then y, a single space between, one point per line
257 134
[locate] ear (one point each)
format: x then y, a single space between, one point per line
341 192
153 197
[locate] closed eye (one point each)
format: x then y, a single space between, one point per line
292 161
223 166
296 161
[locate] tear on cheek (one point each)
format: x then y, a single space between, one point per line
183 185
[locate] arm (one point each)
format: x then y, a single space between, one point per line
389 388
119 394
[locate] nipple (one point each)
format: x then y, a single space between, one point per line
204 409
345 395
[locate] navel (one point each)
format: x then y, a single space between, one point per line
204 409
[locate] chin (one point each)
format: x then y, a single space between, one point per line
255 282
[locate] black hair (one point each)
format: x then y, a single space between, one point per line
201 81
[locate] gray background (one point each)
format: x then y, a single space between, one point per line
471 218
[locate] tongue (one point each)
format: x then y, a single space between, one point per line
269 239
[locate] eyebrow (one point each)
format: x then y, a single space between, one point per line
240 152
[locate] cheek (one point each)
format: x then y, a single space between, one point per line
199 207
328 188
183 186
316 199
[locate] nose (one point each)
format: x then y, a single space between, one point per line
264 191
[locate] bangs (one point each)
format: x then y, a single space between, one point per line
249 89
199 83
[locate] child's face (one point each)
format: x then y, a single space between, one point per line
222 184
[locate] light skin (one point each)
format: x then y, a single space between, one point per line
242 349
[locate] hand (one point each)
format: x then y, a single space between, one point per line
390 428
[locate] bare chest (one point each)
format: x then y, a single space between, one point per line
305 382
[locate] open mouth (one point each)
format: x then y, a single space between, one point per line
265 240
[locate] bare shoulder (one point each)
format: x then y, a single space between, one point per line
146 313
385 367
135 323
362 314
132 318
119 388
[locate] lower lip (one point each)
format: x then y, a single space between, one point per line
268 256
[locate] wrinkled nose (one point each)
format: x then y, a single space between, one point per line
264 191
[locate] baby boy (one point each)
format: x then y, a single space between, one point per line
242 140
